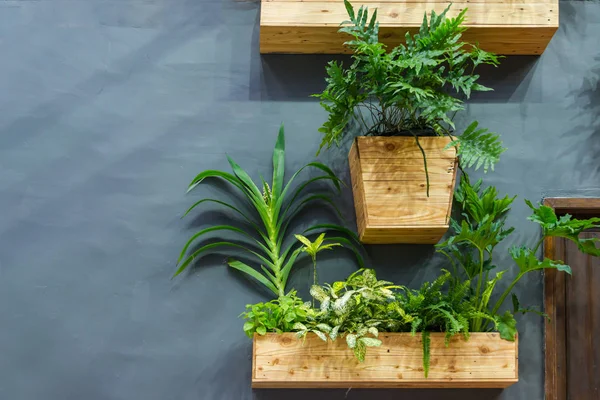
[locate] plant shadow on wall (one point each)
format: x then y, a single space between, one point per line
586 137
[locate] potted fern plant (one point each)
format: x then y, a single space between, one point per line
403 101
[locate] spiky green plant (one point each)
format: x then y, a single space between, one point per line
408 90
275 205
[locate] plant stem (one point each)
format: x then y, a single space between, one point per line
424 161
315 279
506 293
479 282
539 243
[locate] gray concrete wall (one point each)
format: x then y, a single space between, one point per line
109 108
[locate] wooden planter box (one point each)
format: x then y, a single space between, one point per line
284 361
311 26
389 187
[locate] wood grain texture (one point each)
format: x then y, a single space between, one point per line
503 27
555 298
583 323
389 187
283 361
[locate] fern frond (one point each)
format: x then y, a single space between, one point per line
478 147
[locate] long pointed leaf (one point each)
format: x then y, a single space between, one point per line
336 181
286 219
305 184
211 173
334 227
244 178
203 249
285 271
240 266
254 225
349 245
278 164
216 228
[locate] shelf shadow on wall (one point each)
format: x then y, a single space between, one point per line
380 394
295 77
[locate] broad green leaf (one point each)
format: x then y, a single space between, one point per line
370 342
261 330
298 326
351 340
527 261
507 326
320 334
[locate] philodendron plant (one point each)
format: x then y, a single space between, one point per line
471 251
413 89
275 205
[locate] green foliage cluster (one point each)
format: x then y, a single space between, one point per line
274 207
456 303
279 315
408 90
471 251
404 91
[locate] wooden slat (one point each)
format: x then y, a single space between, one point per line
416 187
369 3
395 235
285 361
382 213
358 189
401 148
403 14
508 40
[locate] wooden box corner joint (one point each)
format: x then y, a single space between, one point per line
483 361
389 188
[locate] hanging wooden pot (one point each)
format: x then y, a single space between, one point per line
390 188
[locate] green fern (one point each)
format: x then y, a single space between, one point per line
478 147
408 90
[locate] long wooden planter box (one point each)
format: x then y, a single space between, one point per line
389 187
284 361
311 26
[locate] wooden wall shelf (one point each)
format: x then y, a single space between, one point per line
284 361
310 26
390 193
